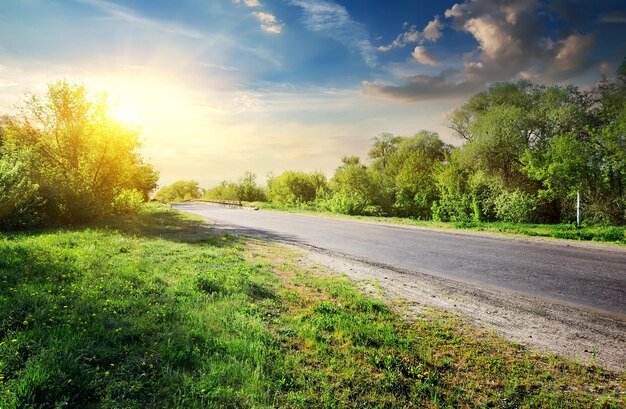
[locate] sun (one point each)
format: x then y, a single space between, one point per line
124 114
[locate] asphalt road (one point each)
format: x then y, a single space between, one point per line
586 277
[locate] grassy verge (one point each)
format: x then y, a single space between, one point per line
153 311
607 234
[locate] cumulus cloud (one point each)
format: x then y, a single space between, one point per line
512 42
334 20
423 57
269 22
571 55
432 32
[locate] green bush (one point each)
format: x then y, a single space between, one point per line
515 207
347 203
453 208
293 188
128 201
19 195
179 191
612 234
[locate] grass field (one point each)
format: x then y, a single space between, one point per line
607 234
157 311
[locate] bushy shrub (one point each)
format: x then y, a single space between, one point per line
615 234
292 188
515 207
346 203
20 203
179 191
452 208
128 201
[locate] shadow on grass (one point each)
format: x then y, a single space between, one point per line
159 221
91 318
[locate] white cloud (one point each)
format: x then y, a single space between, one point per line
423 57
249 3
412 35
432 32
334 21
269 23
571 50
455 11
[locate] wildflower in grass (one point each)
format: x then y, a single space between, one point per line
14 340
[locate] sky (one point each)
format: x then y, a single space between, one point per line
219 87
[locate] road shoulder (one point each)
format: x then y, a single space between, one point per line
576 333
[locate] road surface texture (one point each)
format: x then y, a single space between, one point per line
560 297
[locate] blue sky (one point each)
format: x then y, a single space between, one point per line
224 86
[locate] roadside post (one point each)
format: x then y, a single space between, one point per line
578 208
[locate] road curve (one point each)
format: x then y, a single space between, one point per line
591 278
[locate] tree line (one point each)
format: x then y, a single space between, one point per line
527 150
64 159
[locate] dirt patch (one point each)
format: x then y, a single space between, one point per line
583 335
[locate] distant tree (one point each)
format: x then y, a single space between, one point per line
248 190
293 188
179 191
353 187
245 189
384 146
225 190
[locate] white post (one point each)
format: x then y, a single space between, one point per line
578 208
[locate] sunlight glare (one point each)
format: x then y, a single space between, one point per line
124 114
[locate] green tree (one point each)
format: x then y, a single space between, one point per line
384 146
353 188
248 190
292 188
79 156
179 191
19 196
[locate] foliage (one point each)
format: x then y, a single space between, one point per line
128 201
245 189
76 154
345 203
179 191
223 191
515 207
248 190
19 195
295 188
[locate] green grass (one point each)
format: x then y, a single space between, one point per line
155 311
608 234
